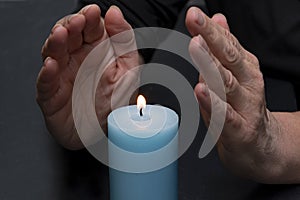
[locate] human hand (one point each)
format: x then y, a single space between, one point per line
249 143
71 40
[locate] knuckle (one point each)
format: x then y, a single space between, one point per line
227 33
231 118
255 60
212 34
233 50
230 84
231 54
258 77
252 59
229 115
234 42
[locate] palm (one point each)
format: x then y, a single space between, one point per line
68 46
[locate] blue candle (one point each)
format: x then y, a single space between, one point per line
142 130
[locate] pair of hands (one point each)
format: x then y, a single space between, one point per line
248 135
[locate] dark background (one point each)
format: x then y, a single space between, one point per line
30 160
34 166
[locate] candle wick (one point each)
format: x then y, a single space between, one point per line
141 112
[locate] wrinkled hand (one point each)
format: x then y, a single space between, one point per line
71 40
249 140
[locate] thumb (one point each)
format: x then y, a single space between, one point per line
123 41
122 36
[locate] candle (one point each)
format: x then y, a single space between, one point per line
141 130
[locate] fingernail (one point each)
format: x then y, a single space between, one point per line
55 28
117 9
201 18
72 17
47 61
85 9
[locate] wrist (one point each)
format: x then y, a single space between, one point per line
269 156
261 158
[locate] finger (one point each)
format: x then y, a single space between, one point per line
204 114
94 27
56 46
122 38
234 91
221 42
206 97
75 25
221 20
71 31
47 81
57 101
52 92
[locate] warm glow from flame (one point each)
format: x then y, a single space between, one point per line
141 102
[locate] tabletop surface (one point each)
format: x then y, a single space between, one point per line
34 166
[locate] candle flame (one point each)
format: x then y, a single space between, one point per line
141 102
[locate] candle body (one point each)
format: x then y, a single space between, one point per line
158 185
142 135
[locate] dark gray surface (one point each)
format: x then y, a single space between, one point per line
29 157
33 166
